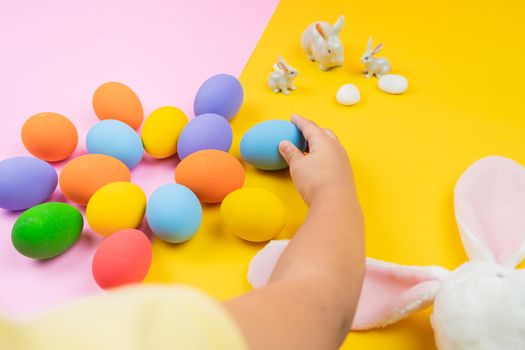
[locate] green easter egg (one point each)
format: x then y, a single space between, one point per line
47 230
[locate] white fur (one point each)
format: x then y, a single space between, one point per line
480 306
324 45
374 66
282 77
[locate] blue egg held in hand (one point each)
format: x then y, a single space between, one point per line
174 213
260 144
117 139
221 94
25 182
205 131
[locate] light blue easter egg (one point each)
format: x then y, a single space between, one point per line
174 213
117 139
260 144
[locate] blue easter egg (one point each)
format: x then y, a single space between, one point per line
260 144
117 139
174 213
221 94
205 131
25 182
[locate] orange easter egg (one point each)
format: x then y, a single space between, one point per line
49 136
122 258
81 177
210 174
117 101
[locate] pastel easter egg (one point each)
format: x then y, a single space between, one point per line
221 94
121 259
116 206
49 136
117 101
174 213
348 95
25 182
253 214
116 139
260 144
81 177
47 230
206 131
210 174
161 131
393 84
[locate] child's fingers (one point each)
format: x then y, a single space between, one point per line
311 132
289 152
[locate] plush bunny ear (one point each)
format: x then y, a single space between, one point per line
377 49
320 30
489 201
336 29
392 292
263 263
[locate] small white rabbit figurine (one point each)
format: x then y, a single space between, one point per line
282 77
374 66
321 43
479 305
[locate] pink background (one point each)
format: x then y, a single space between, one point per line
53 56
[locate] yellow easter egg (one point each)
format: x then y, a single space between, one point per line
116 206
161 131
253 214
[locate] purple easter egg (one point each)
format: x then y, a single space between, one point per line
25 182
206 131
221 94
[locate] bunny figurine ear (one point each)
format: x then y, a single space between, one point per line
282 67
369 44
489 201
338 25
377 49
320 31
392 292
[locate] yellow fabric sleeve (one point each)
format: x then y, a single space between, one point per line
142 317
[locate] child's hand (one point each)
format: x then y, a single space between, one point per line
325 171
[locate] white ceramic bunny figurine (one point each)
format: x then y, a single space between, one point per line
282 77
478 306
321 43
374 66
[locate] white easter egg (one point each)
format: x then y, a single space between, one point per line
348 95
393 84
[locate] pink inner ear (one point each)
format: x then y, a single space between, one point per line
391 292
490 208
262 264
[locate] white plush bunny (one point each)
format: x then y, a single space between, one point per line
321 43
478 306
282 77
374 66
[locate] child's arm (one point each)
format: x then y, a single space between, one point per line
310 300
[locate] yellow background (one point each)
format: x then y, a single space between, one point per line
465 66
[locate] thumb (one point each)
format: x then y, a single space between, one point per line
289 152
